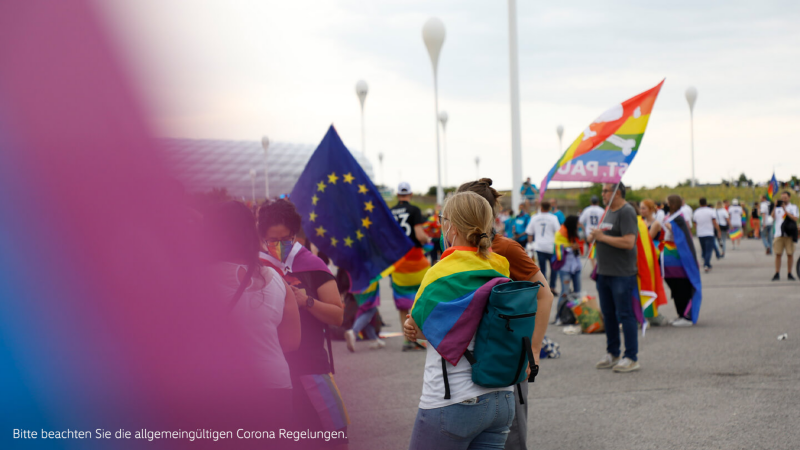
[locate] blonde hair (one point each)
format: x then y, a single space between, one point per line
472 216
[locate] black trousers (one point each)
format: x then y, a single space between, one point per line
682 291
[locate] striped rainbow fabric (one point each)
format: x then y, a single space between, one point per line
327 400
407 277
678 260
736 235
368 298
651 293
453 295
671 261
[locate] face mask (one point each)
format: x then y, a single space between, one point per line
280 250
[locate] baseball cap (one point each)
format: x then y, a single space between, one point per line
403 188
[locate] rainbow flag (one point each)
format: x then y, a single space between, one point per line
679 260
560 247
407 275
772 189
605 149
368 298
327 400
736 235
651 286
453 295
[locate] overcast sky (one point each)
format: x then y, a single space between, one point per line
287 69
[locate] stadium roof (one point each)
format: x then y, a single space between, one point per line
203 164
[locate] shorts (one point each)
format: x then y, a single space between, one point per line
781 243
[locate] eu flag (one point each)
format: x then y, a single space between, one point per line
345 216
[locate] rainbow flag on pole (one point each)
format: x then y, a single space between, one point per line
772 189
605 149
450 303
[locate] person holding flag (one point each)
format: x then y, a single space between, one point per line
679 263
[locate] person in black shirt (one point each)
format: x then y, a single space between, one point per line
411 269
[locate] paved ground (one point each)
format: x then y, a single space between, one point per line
727 383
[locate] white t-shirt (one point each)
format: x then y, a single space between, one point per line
764 208
590 218
722 217
735 212
704 217
686 210
544 227
779 217
660 215
459 377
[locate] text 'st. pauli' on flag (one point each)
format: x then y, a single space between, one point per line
345 216
605 149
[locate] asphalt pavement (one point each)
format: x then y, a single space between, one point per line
726 383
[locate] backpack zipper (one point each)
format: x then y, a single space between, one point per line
508 319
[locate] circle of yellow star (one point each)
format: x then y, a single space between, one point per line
365 222
321 186
314 200
348 178
359 234
332 178
312 216
348 242
320 231
362 189
369 206
334 241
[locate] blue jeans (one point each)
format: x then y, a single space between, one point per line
363 323
544 259
707 245
616 304
479 425
766 237
566 277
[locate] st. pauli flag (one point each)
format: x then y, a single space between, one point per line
345 216
679 260
651 285
605 149
450 302
772 189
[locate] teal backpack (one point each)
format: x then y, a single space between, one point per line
503 340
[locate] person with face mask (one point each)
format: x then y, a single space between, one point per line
311 365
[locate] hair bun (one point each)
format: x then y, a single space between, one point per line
488 181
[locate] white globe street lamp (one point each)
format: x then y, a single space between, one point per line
361 92
265 146
433 35
691 97
516 138
443 120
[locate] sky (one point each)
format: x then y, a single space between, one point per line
243 69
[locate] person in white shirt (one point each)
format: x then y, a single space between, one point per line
766 223
784 211
591 216
706 222
660 214
686 210
735 219
723 220
544 227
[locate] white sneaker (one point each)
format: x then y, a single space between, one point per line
626 365
681 322
607 362
350 339
377 344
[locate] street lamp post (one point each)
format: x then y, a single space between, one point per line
560 132
443 120
516 139
433 34
253 185
691 97
265 146
380 163
361 91
477 167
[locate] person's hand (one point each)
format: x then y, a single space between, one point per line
576 246
410 329
300 295
596 235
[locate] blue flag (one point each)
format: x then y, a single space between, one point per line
345 216
772 189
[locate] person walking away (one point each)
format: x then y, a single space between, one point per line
615 239
755 222
723 220
707 227
674 267
314 286
434 231
557 212
472 416
522 268
366 314
686 210
409 272
590 219
784 242
765 208
735 219
542 232
569 243
649 214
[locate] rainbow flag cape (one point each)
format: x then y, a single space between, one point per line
736 235
772 189
605 149
407 275
560 247
651 286
679 260
453 295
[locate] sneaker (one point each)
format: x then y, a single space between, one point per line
790 277
626 365
607 362
777 277
681 322
350 340
412 346
707 269
377 344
